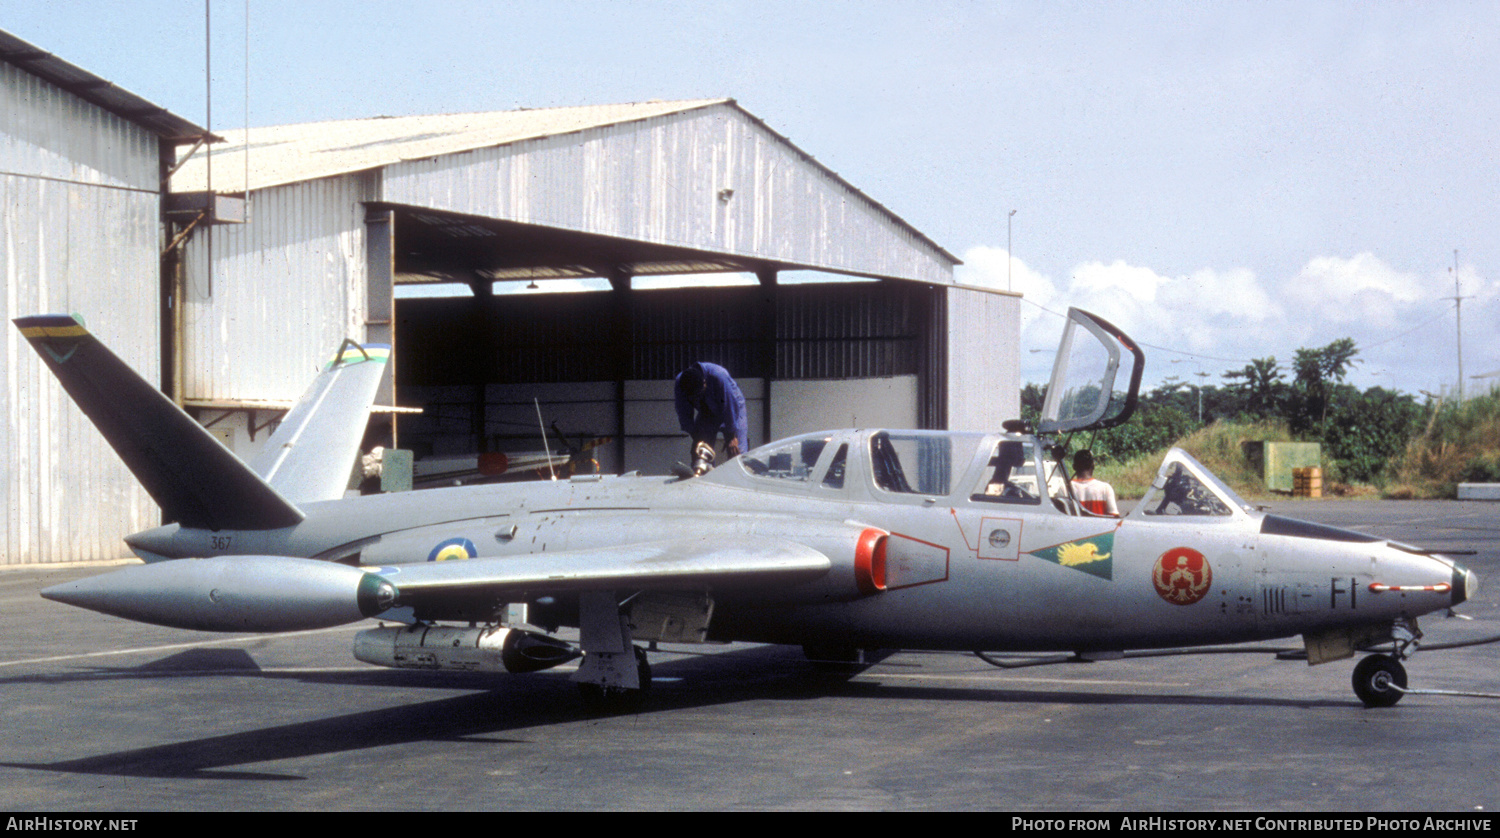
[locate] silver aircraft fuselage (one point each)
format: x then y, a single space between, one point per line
940 557
837 541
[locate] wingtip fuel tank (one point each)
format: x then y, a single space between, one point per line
244 593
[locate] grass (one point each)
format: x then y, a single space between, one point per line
1218 446
1460 444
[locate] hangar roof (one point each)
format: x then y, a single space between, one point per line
91 88
285 154
696 185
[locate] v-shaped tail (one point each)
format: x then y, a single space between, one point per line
190 474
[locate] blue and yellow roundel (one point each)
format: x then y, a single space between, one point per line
453 548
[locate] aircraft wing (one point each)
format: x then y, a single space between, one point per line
471 589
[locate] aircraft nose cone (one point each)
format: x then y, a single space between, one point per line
1465 583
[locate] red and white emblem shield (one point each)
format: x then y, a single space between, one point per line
1182 576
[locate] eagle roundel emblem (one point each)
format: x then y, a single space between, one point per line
1182 576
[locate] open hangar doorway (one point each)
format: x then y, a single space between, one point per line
501 354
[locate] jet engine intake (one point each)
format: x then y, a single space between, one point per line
869 561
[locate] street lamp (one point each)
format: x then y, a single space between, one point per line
1197 387
1200 375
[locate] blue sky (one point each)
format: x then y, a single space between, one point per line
1224 180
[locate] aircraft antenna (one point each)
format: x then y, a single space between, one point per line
208 132
246 183
547 446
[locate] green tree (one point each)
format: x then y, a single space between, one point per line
1033 396
1175 393
1260 388
1317 371
1366 430
1155 426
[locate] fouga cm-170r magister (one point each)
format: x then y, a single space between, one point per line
835 541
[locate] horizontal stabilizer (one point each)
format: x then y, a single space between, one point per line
190 474
463 589
310 455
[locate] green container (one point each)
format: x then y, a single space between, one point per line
1275 460
395 471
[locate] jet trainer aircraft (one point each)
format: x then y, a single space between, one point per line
835 541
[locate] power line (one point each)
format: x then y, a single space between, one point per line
1423 324
1362 346
1154 346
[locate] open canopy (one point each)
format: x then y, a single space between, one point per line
1090 360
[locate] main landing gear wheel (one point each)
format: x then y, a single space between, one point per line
1376 679
619 699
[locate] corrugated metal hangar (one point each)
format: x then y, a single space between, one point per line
321 232
82 168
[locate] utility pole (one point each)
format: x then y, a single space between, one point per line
1201 376
1458 309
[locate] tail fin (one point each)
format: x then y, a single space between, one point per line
309 456
195 479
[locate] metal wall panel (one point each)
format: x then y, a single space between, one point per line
48 133
80 234
284 291
711 179
849 330
984 335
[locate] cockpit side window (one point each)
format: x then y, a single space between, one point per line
792 461
1010 475
834 479
915 464
1183 493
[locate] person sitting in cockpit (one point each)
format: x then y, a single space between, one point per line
1009 462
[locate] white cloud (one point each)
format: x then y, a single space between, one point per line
987 267
1213 319
1359 290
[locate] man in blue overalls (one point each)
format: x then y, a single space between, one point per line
708 402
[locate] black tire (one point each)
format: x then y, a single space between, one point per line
1376 679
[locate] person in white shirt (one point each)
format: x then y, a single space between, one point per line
1093 494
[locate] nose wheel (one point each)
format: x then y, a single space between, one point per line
1379 681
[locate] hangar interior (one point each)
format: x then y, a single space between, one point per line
340 215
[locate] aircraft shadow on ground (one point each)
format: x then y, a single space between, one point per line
502 703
